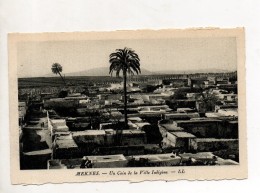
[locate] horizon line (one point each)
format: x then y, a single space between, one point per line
227 71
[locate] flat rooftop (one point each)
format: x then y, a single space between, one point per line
198 121
96 160
141 124
37 123
132 131
199 155
107 158
221 161
38 152
55 121
133 119
171 127
65 144
63 135
182 134
213 115
189 114
88 132
129 131
63 128
153 158
21 104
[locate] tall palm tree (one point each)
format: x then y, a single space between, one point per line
127 61
56 68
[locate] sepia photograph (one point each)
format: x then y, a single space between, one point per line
127 105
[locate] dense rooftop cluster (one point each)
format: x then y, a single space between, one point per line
172 120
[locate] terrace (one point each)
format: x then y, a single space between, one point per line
156 159
107 161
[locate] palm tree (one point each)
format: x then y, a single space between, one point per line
56 68
127 61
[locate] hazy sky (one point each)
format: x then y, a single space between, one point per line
35 58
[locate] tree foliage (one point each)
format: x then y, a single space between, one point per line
56 68
125 60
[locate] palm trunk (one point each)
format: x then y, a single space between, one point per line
125 100
62 79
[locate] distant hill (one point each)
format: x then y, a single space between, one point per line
104 71
101 71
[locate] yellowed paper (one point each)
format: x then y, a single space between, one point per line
165 55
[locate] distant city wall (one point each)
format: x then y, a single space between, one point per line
77 84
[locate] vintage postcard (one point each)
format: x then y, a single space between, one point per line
127 105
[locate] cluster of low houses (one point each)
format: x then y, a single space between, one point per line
50 141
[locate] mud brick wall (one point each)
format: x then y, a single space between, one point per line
214 145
